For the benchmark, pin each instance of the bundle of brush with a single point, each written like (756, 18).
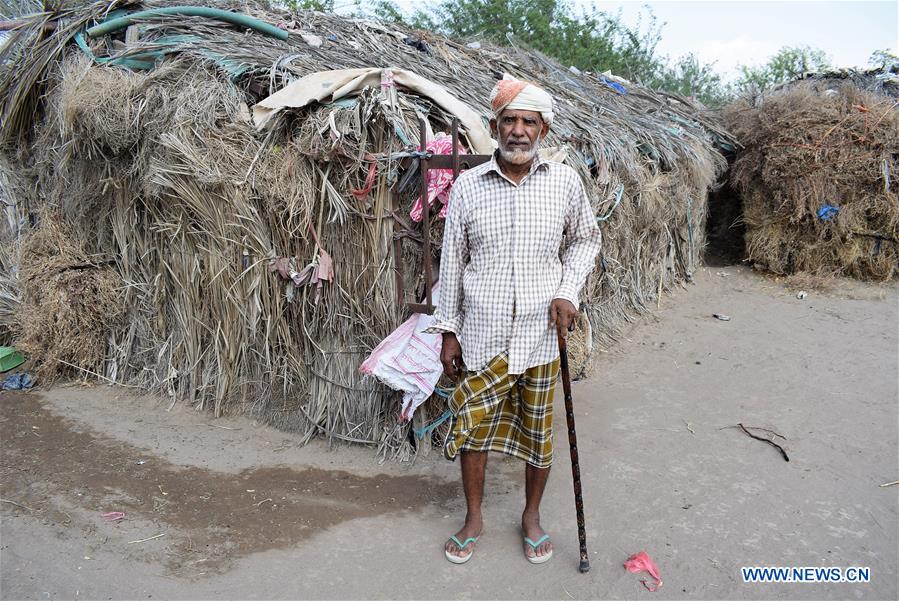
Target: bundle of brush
(818, 179)
(71, 301)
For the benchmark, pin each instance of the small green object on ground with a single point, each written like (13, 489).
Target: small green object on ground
(10, 358)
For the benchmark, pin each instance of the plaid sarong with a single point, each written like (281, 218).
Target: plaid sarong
(493, 411)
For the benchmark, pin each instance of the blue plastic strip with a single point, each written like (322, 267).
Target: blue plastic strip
(433, 425)
(443, 392)
(618, 196)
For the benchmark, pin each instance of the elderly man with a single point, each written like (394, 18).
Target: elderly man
(519, 241)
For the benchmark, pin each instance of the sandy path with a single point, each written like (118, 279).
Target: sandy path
(663, 473)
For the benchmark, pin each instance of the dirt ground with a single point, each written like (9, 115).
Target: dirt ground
(228, 508)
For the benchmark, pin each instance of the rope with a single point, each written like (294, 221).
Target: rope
(618, 196)
(433, 425)
(444, 394)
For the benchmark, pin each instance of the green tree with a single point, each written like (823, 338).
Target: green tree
(690, 77)
(591, 40)
(787, 64)
(386, 10)
(884, 59)
(324, 6)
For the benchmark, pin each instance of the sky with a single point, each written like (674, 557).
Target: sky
(733, 33)
(730, 33)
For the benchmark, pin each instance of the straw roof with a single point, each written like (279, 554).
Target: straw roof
(164, 180)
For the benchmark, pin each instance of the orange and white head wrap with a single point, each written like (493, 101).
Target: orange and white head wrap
(511, 93)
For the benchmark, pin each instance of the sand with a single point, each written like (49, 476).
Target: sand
(244, 512)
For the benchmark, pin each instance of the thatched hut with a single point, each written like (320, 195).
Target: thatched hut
(148, 205)
(818, 175)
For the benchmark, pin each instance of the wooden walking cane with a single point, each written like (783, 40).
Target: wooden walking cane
(575, 466)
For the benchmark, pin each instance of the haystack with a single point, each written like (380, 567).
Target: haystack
(70, 300)
(142, 142)
(818, 175)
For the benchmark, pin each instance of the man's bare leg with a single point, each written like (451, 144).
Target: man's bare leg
(534, 483)
(474, 467)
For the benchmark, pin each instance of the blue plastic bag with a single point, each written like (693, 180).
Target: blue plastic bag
(827, 212)
(20, 381)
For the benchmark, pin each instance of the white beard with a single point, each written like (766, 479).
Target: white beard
(519, 157)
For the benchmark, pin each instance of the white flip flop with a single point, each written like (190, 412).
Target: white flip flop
(461, 545)
(534, 545)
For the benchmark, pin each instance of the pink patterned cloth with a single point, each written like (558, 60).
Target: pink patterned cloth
(408, 360)
(439, 180)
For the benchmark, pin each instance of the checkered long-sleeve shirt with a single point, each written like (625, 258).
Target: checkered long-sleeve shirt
(502, 262)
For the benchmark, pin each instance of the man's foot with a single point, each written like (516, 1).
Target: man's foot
(540, 550)
(458, 547)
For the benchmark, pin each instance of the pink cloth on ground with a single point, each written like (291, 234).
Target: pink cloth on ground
(642, 562)
(439, 180)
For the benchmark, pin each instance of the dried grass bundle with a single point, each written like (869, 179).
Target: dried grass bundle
(70, 300)
(809, 146)
(99, 107)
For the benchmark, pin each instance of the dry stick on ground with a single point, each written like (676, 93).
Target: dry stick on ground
(17, 504)
(770, 442)
(96, 375)
(772, 432)
(143, 540)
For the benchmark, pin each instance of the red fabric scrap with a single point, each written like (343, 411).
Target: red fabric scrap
(642, 562)
(362, 193)
(320, 270)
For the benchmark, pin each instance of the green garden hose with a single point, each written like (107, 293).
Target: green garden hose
(262, 27)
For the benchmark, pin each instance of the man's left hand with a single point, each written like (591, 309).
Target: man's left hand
(562, 315)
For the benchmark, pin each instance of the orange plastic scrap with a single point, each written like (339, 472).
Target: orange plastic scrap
(642, 562)
(362, 193)
(862, 109)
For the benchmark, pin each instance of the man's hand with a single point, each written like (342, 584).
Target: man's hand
(451, 356)
(562, 315)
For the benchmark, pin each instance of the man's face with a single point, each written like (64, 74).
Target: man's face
(519, 134)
